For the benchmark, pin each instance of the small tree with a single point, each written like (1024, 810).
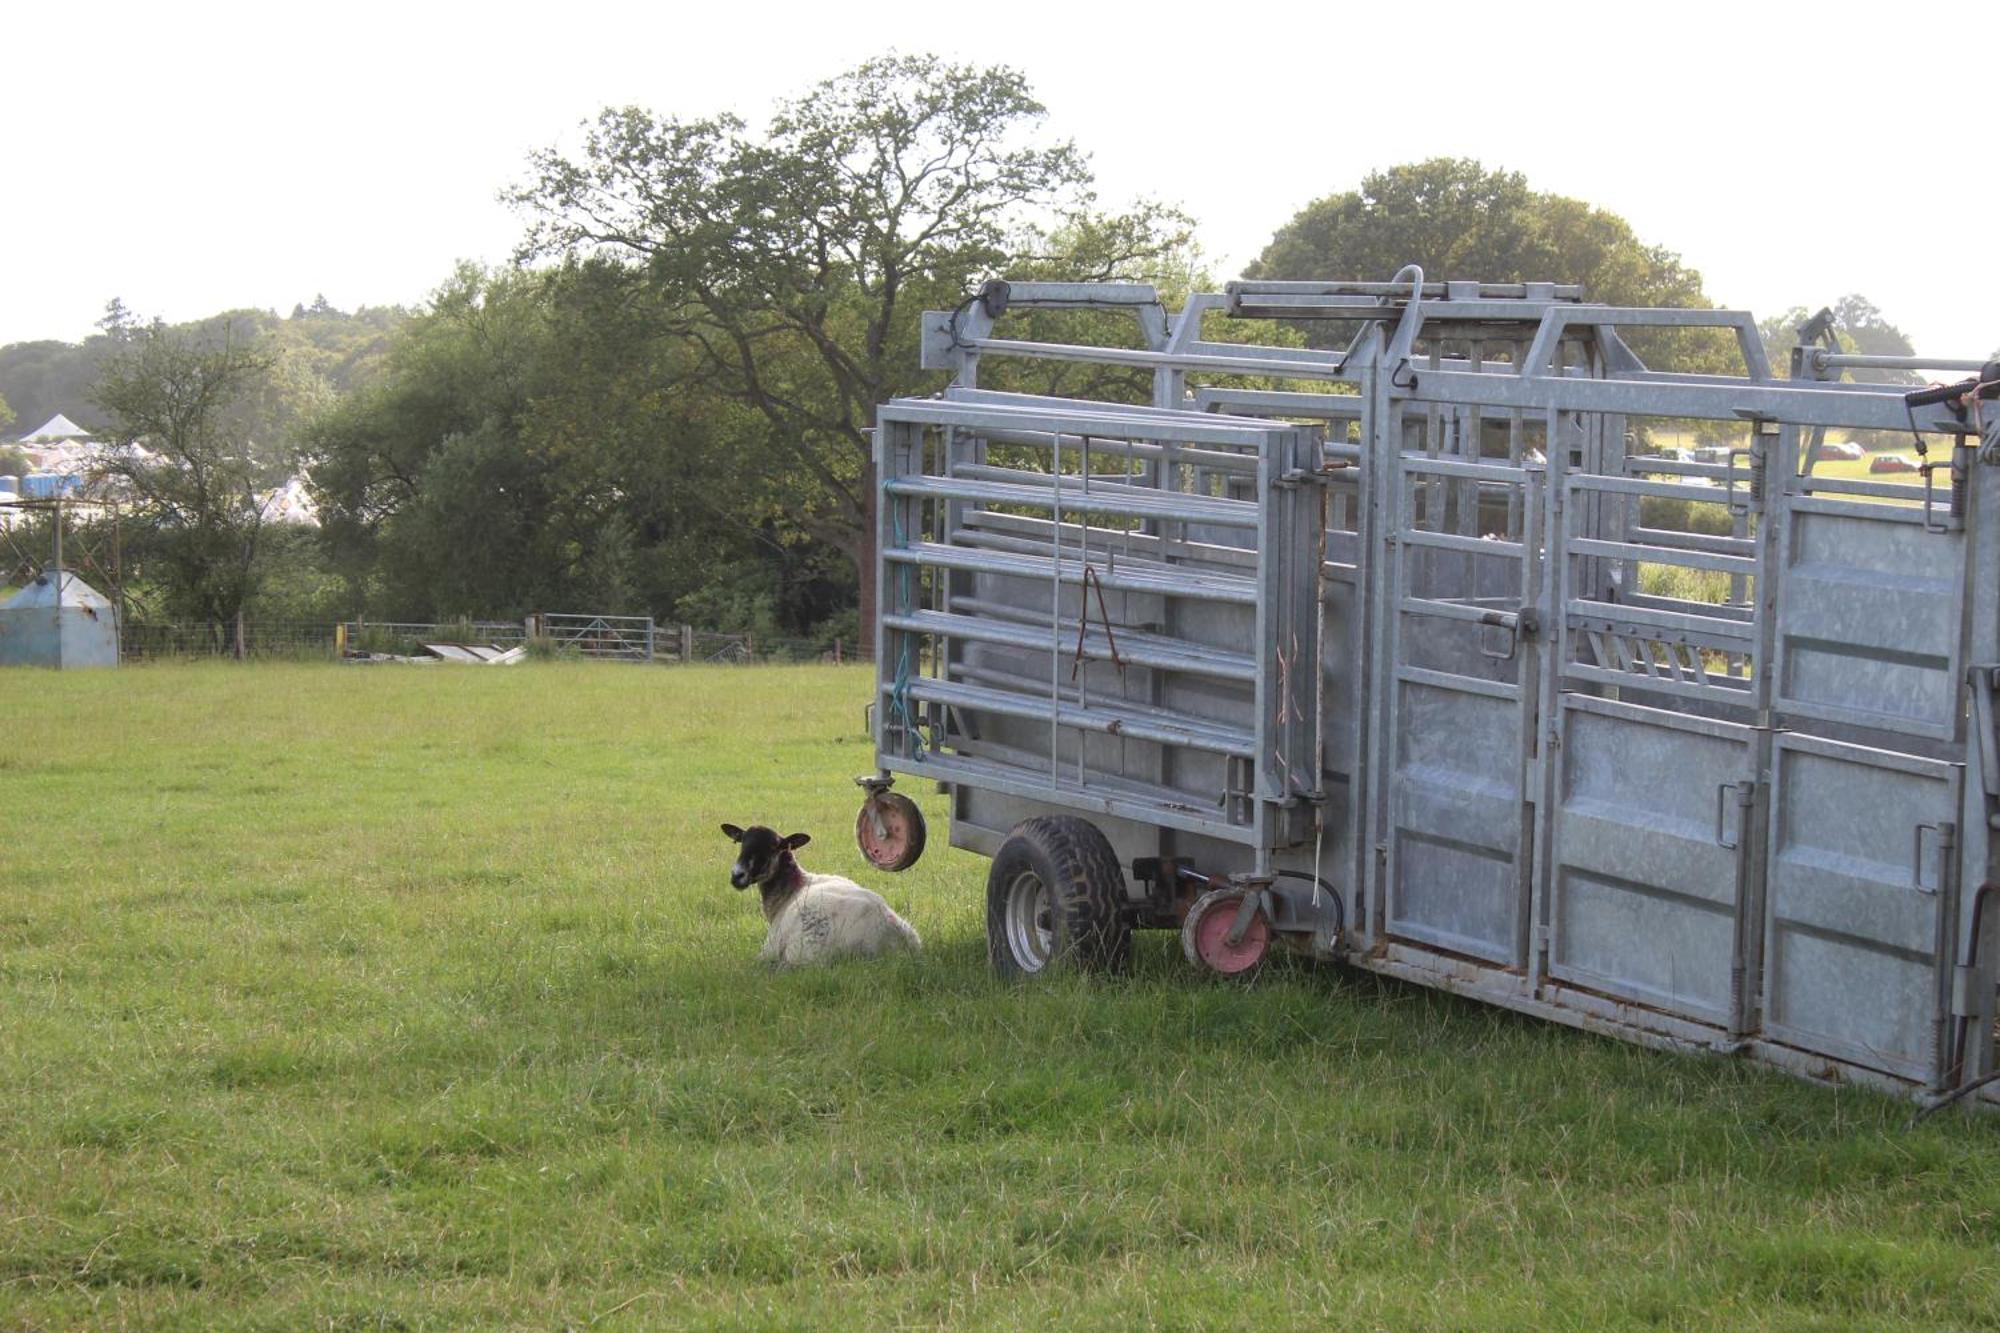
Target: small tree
(181, 455)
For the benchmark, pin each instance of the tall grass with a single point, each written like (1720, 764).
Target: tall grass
(336, 997)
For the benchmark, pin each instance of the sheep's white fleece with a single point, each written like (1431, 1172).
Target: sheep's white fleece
(833, 917)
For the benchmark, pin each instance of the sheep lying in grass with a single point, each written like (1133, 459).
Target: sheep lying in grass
(814, 918)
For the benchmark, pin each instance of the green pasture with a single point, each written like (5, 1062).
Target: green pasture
(340, 997)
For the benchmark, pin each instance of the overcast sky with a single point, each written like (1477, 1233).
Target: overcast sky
(194, 156)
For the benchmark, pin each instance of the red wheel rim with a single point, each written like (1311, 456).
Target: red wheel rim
(887, 848)
(1211, 932)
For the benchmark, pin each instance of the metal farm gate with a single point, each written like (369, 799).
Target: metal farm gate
(604, 638)
(1418, 656)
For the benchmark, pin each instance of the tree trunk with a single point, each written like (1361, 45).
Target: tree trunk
(862, 552)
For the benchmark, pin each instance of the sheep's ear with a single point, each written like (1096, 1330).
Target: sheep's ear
(735, 834)
(798, 840)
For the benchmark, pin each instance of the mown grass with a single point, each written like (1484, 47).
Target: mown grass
(341, 997)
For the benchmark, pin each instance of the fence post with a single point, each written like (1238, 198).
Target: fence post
(687, 644)
(649, 638)
(836, 650)
(528, 628)
(340, 639)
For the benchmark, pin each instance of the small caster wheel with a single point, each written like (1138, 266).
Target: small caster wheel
(890, 831)
(1205, 934)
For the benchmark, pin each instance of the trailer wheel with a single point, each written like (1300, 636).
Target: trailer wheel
(1055, 896)
(890, 831)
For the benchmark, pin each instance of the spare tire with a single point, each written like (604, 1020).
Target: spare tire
(1055, 896)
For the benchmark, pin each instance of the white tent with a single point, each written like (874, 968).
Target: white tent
(55, 430)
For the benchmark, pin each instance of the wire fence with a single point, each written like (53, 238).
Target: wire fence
(288, 640)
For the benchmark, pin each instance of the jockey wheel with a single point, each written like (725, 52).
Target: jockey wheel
(1226, 931)
(889, 830)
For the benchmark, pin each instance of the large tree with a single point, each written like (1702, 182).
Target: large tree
(1857, 324)
(1461, 221)
(180, 452)
(795, 262)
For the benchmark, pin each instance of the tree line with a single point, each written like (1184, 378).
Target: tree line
(664, 405)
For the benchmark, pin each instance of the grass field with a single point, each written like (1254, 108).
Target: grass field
(404, 998)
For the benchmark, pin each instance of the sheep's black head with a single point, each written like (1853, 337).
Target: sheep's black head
(763, 852)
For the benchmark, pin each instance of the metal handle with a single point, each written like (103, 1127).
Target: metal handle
(1505, 621)
(1722, 793)
(1917, 863)
(1929, 526)
(1729, 484)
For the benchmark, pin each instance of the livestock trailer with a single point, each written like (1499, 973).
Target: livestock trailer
(1418, 652)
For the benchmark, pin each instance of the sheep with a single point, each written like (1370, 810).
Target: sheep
(814, 918)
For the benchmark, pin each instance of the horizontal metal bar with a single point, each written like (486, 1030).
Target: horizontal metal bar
(1694, 541)
(1008, 781)
(1261, 351)
(1636, 464)
(1652, 622)
(1046, 295)
(1284, 367)
(1399, 290)
(1111, 421)
(1661, 555)
(1448, 680)
(1028, 477)
(1476, 615)
(1217, 459)
(1451, 541)
(1730, 690)
(1881, 513)
(1572, 702)
(1799, 402)
(1331, 406)
(1910, 492)
(1825, 360)
(1038, 686)
(1156, 504)
(1164, 581)
(1503, 474)
(1104, 719)
(1137, 649)
(987, 527)
(1665, 490)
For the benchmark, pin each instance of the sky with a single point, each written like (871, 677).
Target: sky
(199, 156)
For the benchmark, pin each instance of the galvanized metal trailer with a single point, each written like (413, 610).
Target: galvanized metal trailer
(1394, 655)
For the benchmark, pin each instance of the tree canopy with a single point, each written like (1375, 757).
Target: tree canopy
(793, 265)
(1459, 220)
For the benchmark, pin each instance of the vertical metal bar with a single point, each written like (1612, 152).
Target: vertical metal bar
(1055, 599)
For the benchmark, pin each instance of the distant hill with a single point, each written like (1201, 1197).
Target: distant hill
(321, 352)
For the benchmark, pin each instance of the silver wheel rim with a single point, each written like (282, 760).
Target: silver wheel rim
(1029, 935)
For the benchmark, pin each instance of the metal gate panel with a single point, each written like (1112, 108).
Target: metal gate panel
(1645, 878)
(1461, 695)
(1868, 620)
(1861, 882)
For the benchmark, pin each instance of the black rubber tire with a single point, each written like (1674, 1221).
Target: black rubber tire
(913, 819)
(1086, 897)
